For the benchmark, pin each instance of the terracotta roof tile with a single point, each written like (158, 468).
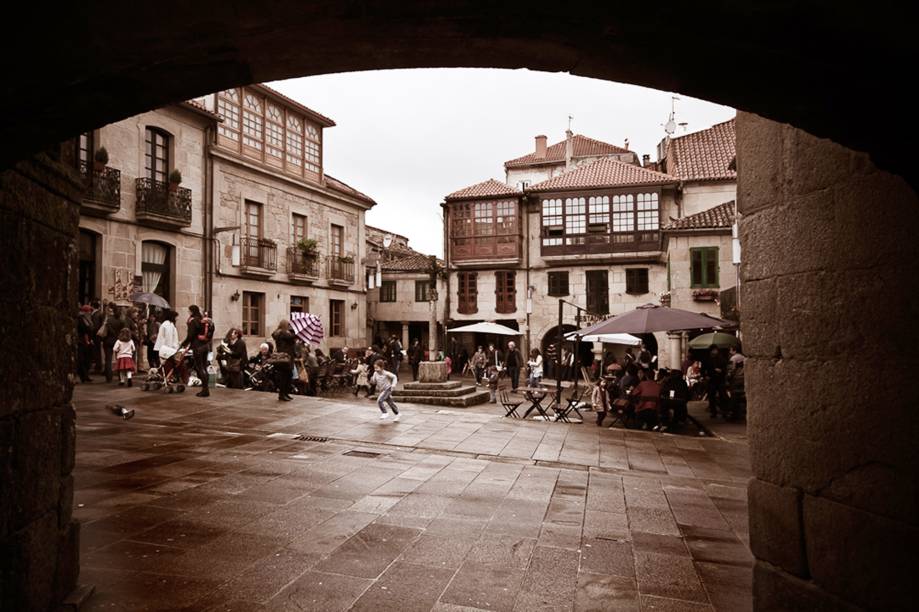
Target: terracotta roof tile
(582, 146)
(413, 262)
(604, 173)
(721, 216)
(342, 187)
(485, 189)
(704, 155)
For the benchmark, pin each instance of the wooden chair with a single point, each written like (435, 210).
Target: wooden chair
(510, 405)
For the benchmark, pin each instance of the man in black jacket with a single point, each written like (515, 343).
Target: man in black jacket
(512, 362)
(199, 339)
(415, 357)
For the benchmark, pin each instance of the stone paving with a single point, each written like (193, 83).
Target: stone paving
(214, 504)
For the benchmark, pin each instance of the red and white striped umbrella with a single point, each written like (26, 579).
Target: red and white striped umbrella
(307, 326)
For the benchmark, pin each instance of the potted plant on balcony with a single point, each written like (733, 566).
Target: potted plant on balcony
(309, 248)
(346, 259)
(100, 159)
(175, 177)
(705, 295)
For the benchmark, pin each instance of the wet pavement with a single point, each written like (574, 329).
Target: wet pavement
(239, 502)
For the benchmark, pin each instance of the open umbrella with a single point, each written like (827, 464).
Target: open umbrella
(307, 327)
(625, 339)
(653, 318)
(485, 328)
(719, 339)
(150, 298)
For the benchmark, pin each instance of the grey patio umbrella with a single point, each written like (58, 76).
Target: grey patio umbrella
(653, 318)
(719, 339)
(150, 298)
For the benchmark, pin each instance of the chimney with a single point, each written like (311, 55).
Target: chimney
(540, 147)
(626, 144)
(569, 148)
(645, 160)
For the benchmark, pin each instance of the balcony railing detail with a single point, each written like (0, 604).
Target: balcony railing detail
(156, 201)
(598, 243)
(340, 268)
(301, 265)
(258, 253)
(103, 187)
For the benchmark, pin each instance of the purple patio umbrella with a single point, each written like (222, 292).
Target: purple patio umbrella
(653, 318)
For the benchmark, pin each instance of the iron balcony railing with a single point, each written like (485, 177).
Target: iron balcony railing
(258, 253)
(298, 263)
(157, 201)
(340, 268)
(103, 186)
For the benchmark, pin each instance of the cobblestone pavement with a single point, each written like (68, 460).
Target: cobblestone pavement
(214, 504)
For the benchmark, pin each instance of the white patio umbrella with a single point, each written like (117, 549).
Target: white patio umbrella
(485, 328)
(625, 339)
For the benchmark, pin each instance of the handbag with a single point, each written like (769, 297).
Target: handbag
(234, 366)
(277, 358)
(103, 330)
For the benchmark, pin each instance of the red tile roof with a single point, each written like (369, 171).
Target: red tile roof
(582, 146)
(604, 173)
(485, 189)
(721, 216)
(413, 262)
(198, 107)
(342, 187)
(705, 155)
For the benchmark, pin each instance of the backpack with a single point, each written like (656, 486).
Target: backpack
(207, 333)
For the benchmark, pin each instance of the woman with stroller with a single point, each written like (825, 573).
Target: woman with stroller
(200, 333)
(167, 336)
(285, 344)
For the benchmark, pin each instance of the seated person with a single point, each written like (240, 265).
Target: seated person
(648, 396)
(674, 398)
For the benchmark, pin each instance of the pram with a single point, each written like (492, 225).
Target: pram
(260, 378)
(172, 375)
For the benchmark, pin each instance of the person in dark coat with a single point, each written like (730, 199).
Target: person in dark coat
(114, 322)
(237, 357)
(415, 357)
(715, 371)
(674, 398)
(85, 342)
(98, 316)
(198, 339)
(285, 341)
(513, 360)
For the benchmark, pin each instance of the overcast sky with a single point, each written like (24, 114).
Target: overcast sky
(407, 138)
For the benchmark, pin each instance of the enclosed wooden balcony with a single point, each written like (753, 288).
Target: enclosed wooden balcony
(258, 256)
(505, 248)
(599, 243)
(302, 268)
(103, 190)
(160, 205)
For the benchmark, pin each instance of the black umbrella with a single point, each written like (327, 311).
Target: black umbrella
(150, 298)
(653, 318)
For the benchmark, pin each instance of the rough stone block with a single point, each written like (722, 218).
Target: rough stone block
(432, 371)
(759, 179)
(759, 311)
(68, 561)
(776, 591)
(813, 164)
(68, 439)
(37, 461)
(861, 557)
(776, 533)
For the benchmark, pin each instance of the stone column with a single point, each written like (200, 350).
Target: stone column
(39, 540)
(405, 338)
(676, 350)
(830, 302)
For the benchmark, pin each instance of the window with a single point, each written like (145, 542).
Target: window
(505, 292)
(253, 313)
(467, 293)
(522, 185)
(574, 220)
(598, 214)
(313, 145)
(85, 152)
(155, 267)
(336, 317)
(388, 291)
(422, 290)
(299, 227)
(624, 213)
(558, 283)
(156, 155)
(274, 130)
(598, 292)
(252, 229)
(704, 264)
(484, 229)
(648, 212)
(552, 227)
(338, 240)
(294, 143)
(636, 281)
(299, 304)
(252, 121)
(228, 109)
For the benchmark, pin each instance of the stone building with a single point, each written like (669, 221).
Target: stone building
(271, 198)
(138, 229)
(400, 304)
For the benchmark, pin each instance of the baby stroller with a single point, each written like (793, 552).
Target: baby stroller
(260, 378)
(172, 375)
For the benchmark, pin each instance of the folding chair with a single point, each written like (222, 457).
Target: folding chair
(536, 404)
(510, 406)
(574, 399)
(619, 411)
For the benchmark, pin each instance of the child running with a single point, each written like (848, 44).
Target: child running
(124, 353)
(384, 382)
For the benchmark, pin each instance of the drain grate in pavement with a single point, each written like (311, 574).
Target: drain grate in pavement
(305, 438)
(357, 453)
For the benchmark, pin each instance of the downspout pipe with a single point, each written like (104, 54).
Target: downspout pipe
(208, 223)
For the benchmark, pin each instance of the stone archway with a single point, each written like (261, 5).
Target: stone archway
(831, 279)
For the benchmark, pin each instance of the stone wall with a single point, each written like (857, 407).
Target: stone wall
(830, 304)
(679, 246)
(39, 541)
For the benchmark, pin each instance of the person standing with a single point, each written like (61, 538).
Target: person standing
(384, 382)
(512, 362)
(98, 317)
(600, 400)
(396, 354)
(491, 378)
(85, 342)
(167, 337)
(479, 361)
(153, 329)
(124, 351)
(285, 344)
(198, 339)
(535, 365)
(415, 357)
(111, 328)
(715, 372)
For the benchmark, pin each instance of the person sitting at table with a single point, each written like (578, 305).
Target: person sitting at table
(613, 366)
(648, 396)
(674, 397)
(600, 400)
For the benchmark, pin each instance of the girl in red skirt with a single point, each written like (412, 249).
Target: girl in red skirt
(124, 353)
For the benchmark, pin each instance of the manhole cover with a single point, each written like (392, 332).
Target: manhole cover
(304, 438)
(357, 453)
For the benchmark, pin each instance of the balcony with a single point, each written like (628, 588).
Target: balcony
(600, 243)
(258, 256)
(340, 270)
(160, 205)
(505, 249)
(301, 268)
(103, 190)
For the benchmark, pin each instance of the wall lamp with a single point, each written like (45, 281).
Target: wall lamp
(235, 296)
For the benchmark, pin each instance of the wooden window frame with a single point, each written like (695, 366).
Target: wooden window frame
(340, 230)
(336, 319)
(558, 288)
(422, 290)
(485, 229)
(707, 255)
(295, 225)
(592, 303)
(505, 291)
(151, 135)
(248, 307)
(633, 275)
(467, 292)
(388, 291)
(304, 305)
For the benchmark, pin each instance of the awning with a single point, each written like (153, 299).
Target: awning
(485, 328)
(626, 339)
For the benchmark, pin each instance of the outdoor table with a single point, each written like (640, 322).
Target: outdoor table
(535, 395)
